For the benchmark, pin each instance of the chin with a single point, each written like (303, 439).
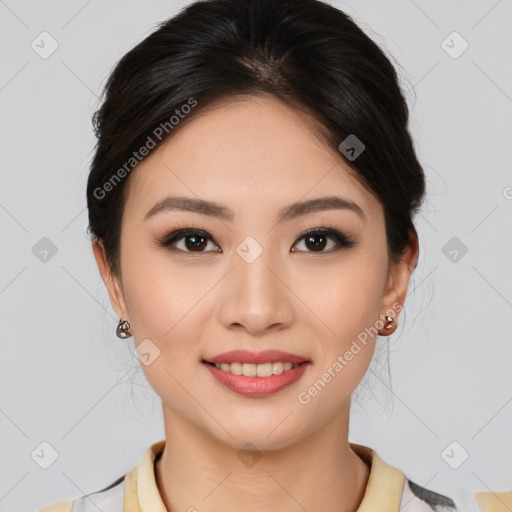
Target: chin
(263, 434)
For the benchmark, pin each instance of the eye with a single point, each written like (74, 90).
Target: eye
(195, 240)
(316, 239)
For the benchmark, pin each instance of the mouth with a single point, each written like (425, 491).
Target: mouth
(256, 364)
(256, 380)
(256, 370)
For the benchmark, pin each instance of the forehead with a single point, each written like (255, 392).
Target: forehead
(247, 153)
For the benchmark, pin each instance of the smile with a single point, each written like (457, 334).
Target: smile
(256, 380)
(256, 370)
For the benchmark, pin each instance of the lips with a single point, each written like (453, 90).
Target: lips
(256, 386)
(266, 356)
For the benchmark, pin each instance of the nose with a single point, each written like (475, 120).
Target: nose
(256, 297)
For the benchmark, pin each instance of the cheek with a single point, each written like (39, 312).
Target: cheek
(159, 295)
(163, 302)
(354, 301)
(345, 336)
(150, 298)
(347, 296)
(168, 305)
(346, 301)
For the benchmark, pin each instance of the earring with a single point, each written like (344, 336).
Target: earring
(388, 326)
(389, 321)
(122, 329)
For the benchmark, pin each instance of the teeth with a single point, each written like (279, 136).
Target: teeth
(256, 370)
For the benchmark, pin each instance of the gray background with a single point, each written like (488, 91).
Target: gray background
(67, 380)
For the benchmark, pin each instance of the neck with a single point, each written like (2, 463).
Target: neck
(318, 472)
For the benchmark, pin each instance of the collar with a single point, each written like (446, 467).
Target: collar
(383, 491)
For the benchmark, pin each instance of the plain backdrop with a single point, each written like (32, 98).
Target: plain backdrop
(71, 389)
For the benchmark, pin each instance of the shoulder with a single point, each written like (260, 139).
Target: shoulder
(109, 499)
(494, 501)
(416, 498)
(119, 494)
(58, 506)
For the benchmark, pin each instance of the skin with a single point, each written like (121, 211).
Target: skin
(255, 155)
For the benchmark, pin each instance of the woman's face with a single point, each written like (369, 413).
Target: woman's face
(258, 284)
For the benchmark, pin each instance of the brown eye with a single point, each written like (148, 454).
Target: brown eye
(198, 242)
(316, 240)
(195, 241)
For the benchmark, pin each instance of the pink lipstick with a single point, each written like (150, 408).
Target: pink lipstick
(256, 374)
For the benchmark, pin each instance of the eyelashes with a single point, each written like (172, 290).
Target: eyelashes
(179, 234)
(200, 239)
(341, 240)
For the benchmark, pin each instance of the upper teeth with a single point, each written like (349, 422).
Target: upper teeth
(253, 370)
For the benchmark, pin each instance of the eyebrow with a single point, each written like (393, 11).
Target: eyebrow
(292, 211)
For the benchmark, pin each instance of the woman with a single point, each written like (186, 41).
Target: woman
(250, 205)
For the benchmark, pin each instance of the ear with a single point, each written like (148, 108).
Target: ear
(111, 281)
(399, 275)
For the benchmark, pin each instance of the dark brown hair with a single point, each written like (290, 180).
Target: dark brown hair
(304, 52)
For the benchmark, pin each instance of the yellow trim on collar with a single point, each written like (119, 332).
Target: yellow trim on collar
(494, 501)
(383, 491)
(131, 501)
(385, 483)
